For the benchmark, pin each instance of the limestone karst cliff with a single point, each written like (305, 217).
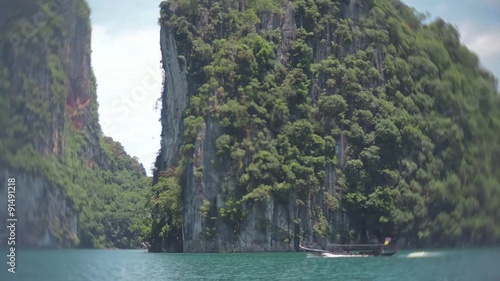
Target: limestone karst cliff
(288, 122)
(50, 140)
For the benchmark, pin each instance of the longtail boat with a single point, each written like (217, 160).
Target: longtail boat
(353, 250)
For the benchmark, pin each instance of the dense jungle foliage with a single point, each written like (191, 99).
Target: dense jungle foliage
(105, 185)
(420, 116)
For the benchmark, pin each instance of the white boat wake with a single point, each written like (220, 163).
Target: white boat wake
(424, 254)
(330, 255)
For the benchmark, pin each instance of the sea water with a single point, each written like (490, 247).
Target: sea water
(118, 265)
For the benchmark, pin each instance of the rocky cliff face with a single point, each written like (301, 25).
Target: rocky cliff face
(174, 98)
(45, 48)
(46, 218)
(51, 141)
(267, 226)
(306, 121)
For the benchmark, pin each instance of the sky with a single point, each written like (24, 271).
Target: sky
(126, 61)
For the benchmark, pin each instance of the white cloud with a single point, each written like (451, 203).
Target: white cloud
(129, 79)
(487, 45)
(484, 42)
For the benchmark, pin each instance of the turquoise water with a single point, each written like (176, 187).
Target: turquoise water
(107, 265)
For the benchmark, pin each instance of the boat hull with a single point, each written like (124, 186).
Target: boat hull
(338, 254)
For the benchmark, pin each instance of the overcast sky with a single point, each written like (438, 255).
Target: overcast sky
(126, 60)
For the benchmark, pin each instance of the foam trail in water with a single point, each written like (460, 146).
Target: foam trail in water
(424, 254)
(330, 255)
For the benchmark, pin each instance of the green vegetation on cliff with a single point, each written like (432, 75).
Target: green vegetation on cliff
(400, 112)
(50, 129)
(113, 211)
